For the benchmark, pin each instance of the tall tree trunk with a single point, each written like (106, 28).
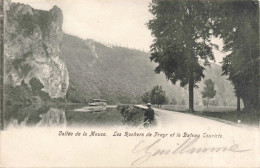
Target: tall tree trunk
(191, 86)
(191, 77)
(238, 103)
(190, 56)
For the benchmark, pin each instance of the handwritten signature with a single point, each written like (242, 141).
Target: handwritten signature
(150, 150)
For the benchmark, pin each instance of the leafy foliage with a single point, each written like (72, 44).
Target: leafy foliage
(131, 115)
(121, 75)
(237, 22)
(174, 101)
(74, 96)
(209, 90)
(181, 31)
(146, 97)
(156, 96)
(23, 94)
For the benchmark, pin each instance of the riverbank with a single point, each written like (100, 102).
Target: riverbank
(226, 114)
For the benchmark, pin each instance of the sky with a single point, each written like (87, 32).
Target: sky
(118, 22)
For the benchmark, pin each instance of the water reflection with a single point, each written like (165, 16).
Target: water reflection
(19, 115)
(48, 116)
(54, 117)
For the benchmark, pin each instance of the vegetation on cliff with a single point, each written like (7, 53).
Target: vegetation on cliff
(75, 70)
(123, 75)
(32, 55)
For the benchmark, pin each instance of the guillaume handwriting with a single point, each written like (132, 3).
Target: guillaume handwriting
(150, 150)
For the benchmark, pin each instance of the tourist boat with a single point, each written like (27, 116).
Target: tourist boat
(95, 105)
(98, 102)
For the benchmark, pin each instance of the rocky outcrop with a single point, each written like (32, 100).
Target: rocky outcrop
(32, 48)
(91, 45)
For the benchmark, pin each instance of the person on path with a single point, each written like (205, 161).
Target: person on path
(149, 114)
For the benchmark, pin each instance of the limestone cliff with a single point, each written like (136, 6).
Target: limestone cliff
(32, 48)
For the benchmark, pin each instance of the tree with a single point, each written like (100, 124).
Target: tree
(174, 101)
(158, 96)
(209, 91)
(166, 100)
(183, 102)
(162, 99)
(181, 31)
(214, 102)
(146, 97)
(237, 23)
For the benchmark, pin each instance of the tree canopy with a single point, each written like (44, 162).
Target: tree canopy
(209, 90)
(181, 31)
(237, 23)
(146, 97)
(155, 96)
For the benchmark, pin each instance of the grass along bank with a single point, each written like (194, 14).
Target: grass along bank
(227, 113)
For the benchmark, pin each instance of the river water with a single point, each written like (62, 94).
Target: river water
(48, 116)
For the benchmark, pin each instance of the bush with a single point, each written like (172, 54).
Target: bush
(23, 94)
(18, 94)
(131, 115)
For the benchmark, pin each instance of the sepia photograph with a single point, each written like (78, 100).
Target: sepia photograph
(129, 83)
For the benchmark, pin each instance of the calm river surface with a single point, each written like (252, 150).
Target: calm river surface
(45, 115)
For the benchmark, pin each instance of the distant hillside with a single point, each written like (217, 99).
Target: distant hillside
(122, 75)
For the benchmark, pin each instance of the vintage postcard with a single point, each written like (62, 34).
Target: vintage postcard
(129, 83)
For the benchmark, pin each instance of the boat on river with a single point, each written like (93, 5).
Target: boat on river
(95, 105)
(98, 102)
